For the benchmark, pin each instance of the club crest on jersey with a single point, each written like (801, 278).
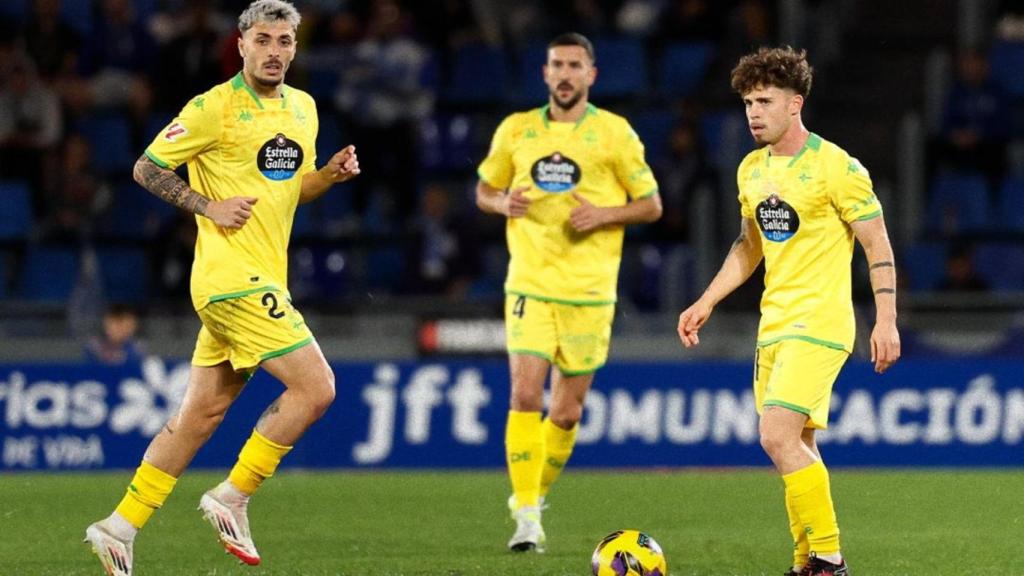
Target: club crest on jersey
(555, 173)
(279, 158)
(174, 131)
(777, 219)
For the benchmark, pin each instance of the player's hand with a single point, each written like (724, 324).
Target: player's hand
(885, 345)
(343, 166)
(233, 212)
(586, 216)
(690, 322)
(515, 203)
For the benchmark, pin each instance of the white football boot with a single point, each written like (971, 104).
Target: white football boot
(529, 534)
(115, 554)
(225, 509)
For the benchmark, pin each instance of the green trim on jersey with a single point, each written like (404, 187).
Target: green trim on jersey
(531, 353)
(284, 351)
(874, 214)
(239, 82)
(156, 160)
(813, 143)
(647, 194)
(591, 110)
(229, 296)
(825, 343)
(787, 405)
(561, 301)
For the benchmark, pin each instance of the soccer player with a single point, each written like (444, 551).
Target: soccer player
(803, 201)
(250, 148)
(568, 177)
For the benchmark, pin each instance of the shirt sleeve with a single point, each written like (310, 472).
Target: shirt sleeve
(497, 168)
(852, 192)
(196, 129)
(746, 210)
(632, 170)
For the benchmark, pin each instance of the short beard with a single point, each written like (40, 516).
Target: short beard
(568, 104)
(268, 82)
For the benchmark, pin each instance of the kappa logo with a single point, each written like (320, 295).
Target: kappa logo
(174, 131)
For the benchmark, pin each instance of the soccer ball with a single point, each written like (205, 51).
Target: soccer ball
(628, 553)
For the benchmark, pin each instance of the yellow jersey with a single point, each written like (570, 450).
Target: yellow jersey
(238, 144)
(599, 157)
(803, 206)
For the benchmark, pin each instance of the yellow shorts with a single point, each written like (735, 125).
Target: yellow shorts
(574, 338)
(797, 375)
(248, 330)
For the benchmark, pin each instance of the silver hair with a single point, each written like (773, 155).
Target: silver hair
(268, 11)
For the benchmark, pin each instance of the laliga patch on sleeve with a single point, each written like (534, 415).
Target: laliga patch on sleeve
(175, 131)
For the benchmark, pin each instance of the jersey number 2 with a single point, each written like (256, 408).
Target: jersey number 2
(270, 299)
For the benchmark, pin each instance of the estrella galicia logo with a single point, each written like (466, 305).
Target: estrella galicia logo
(555, 173)
(279, 158)
(778, 220)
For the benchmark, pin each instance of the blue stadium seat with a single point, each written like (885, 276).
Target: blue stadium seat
(1011, 204)
(78, 14)
(111, 141)
(959, 202)
(125, 274)
(16, 215)
(48, 274)
(682, 68)
(16, 10)
(304, 224)
(623, 67)
(530, 88)
(479, 74)
(1001, 265)
(924, 265)
(322, 83)
(385, 268)
(654, 126)
(1007, 61)
(329, 139)
(135, 213)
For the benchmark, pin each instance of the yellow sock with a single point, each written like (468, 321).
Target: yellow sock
(800, 546)
(148, 490)
(811, 495)
(558, 444)
(256, 462)
(524, 453)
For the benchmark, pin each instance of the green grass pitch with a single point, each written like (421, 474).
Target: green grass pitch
(710, 523)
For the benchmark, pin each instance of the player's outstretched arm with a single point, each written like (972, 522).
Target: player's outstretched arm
(511, 203)
(587, 217)
(168, 186)
(740, 263)
(343, 166)
(885, 338)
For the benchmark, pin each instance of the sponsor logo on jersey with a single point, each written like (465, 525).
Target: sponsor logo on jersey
(174, 131)
(279, 158)
(555, 173)
(777, 219)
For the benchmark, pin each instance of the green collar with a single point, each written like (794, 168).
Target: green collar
(238, 82)
(590, 111)
(813, 142)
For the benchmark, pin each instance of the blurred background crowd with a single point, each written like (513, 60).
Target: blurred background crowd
(928, 94)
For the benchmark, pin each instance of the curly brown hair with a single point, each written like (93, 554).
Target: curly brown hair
(779, 67)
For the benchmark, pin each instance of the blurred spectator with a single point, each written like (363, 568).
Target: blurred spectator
(30, 123)
(382, 102)
(682, 173)
(638, 17)
(116, 345)
(1010, 21)
(50, 41)
(116, 59)
(76, 194)
(960, 273)
(191, 54)
(974, 131)
(445, 259)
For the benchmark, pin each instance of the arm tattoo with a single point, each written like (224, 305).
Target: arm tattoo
(885, 291)
(739, 239)
(168, 186)
(270, 411)
(882, 265)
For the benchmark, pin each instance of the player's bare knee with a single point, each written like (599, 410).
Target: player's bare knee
(773, 442)
(566, 417)
(526, 400)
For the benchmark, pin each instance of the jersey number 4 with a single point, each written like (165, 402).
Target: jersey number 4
(519, 308)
